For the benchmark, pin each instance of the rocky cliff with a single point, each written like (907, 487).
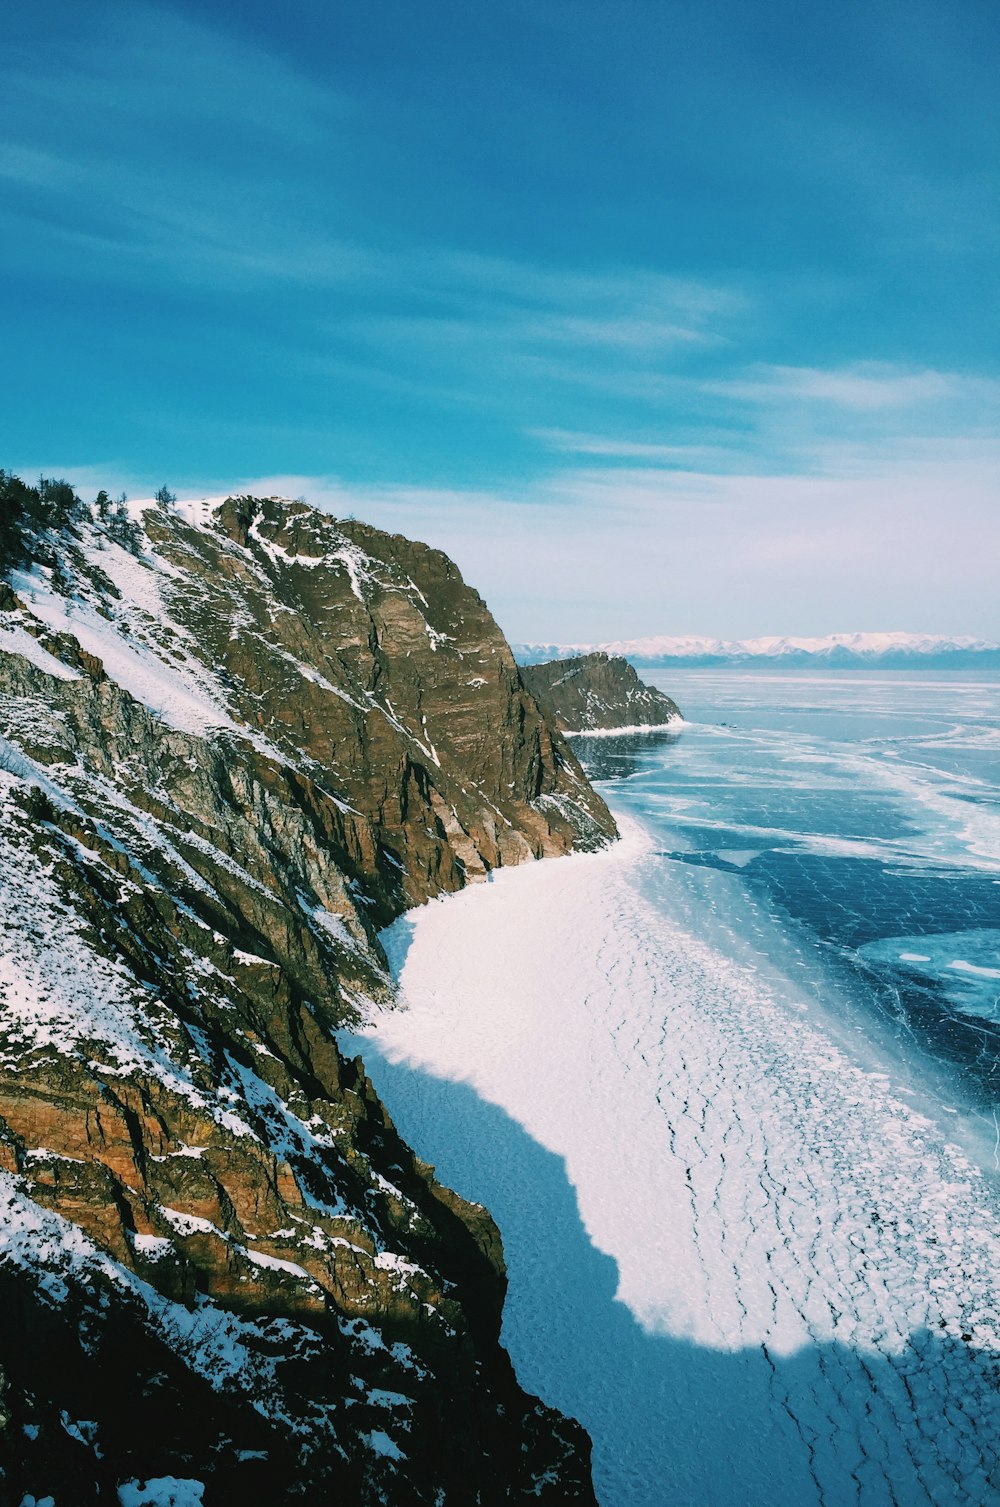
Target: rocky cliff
(596, 692)
(233, 746)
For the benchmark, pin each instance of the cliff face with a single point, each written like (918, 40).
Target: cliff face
(223, 765)
(596, 692)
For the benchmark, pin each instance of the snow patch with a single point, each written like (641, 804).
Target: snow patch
(162, 1491)
(379, 1443)
(15, 640)
(674, 725)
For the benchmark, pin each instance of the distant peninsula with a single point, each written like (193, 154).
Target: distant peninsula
(597, 692)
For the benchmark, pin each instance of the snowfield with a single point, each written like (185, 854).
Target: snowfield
(757, 1275)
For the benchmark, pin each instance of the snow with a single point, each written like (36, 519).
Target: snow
(961, 966)
(351, 557)
(334, 925)
(162, 1491)
(390, 1261)
(15, 640)
(80, 1429)
(196, 512)
(153, 1247)
(357, 565)
(59, 1255)
(275, 1263)
(743, 1260)
(378, 1397)
(178, 697)
(58, 994)
(437, 638)
(380, 1444)
(22, 768)
(193, 1224)
(675, 725)
(309, 673)
(190, 1224)
(234, 1354)
(389, 713)
(219, 859)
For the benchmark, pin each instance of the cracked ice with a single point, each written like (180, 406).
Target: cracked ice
(756, 1273)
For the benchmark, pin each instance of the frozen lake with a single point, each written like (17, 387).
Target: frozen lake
(729, 1091)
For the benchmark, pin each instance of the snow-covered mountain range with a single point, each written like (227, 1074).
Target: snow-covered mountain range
(840, 650)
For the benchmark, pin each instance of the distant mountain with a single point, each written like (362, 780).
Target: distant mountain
(858, 651)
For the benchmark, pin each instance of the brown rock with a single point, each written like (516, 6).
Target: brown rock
(596, 692)
(193, 913)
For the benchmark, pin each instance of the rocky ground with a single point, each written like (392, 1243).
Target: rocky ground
(596, 693)
(228, 756)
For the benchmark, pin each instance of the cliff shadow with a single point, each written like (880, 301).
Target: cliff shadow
(676, 1424)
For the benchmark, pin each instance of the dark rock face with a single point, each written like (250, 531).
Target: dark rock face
(596, 692)
(223, 765)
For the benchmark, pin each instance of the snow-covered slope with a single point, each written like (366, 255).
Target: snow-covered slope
(846, 650)
(233, 742)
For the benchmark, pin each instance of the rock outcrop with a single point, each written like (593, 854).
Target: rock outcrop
(597, 692)
(225, 761)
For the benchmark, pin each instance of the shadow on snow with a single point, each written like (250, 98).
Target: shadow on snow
(675, 1424)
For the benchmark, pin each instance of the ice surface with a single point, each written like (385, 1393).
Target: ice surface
(755, 1273)
(964, 964)
(873, 804)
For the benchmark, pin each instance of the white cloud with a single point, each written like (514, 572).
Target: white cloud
(569, 442)
(619, 552)
(869, 386)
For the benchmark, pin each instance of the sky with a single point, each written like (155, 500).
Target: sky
(660, 316)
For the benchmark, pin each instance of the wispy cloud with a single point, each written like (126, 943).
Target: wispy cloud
(658, 549)
(868, 386)
(401, 300)
(569, 442)
(140, 141)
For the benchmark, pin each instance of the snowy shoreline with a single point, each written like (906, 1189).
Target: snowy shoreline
(753, 1271)
(674, 725)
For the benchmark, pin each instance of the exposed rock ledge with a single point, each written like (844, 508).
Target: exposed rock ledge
(597, 693)
(225, 761)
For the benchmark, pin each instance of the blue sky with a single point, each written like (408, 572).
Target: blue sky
(659, 316)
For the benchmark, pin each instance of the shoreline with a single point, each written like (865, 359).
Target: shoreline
(674, 725)
(712, 1215)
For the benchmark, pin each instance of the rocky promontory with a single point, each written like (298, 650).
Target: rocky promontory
(235, 741)
(596, 693)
